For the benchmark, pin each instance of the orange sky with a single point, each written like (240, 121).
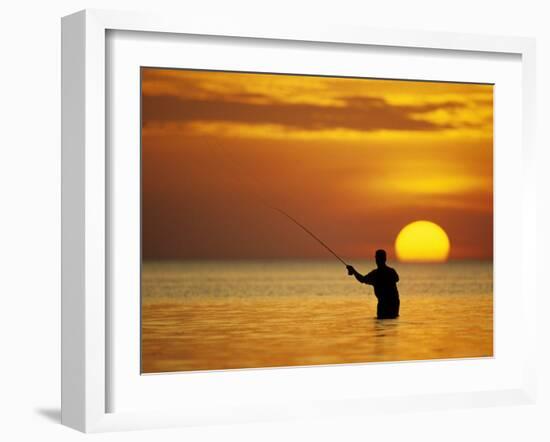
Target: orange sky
(353, 159)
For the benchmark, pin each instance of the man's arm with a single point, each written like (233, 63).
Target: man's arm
(363, 279)
(396, 276)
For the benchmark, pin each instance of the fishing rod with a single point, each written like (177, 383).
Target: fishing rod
(310, 233)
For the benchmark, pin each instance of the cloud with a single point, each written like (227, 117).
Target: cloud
(358, 113)
(310, 104)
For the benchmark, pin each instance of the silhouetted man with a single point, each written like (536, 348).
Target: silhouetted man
(384, 279)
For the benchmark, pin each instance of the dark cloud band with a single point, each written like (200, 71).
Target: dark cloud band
(358, 113)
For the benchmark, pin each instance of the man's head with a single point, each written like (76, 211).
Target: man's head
(380, 257)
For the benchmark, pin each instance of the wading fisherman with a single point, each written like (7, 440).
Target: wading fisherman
(384, 279)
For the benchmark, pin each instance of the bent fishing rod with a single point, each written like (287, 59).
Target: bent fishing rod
(310, 234)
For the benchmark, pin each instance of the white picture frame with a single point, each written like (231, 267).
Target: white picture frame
(86, 315)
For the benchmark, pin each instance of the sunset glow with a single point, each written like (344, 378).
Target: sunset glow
(354, 159)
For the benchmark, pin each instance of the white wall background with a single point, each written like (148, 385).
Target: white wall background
(30, 216)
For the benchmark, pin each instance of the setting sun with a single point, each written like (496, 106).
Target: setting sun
(422, 241)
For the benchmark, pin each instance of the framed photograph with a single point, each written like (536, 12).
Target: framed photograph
(263, 222)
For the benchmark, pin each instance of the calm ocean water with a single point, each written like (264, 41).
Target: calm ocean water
(207, 315)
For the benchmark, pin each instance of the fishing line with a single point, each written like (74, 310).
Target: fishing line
(262, 200)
